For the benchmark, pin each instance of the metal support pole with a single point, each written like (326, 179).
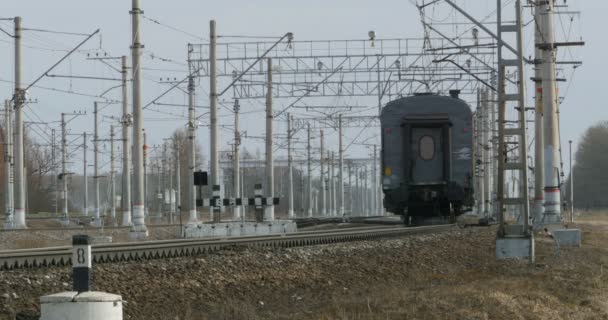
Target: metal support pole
(65, 219)
(571, 184)
(552, 204)
(163, 182)
(365, 192)
(539, 141)
(523, 142)
(96, 210)
(330, 189)
(375, 209)
(269, 209)
(290, 212)
(357, 195)
(350, 190)
(19, 161)
(332, 180)
(85, 207)
(8, 167)
(480, 148)
(340, 167)
(53, 170)
(145, 165)
(214, 134)
(178, 181)
(237, 161)
(322, 175)
(159, 189)
(309, 170)
(138, 229)
(112, 176)
(487, 173)
(126, 150)
(171, 189)
(192, 216)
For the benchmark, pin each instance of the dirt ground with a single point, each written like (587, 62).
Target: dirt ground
(452, 275)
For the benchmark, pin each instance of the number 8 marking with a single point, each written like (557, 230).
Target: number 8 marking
(80, 256)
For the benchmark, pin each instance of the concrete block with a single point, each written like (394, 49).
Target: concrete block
(72, 305)
(568, 237)
(101, 239)
(515, 248)
(236, 229)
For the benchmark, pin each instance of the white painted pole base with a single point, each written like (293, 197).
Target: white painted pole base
(269, 213)
(138, 229)
(236, 213)
(310, 213)
(89, 305)
(552, 214)
(126, 218)
(291, 214)
(192, 217)
(19, 219)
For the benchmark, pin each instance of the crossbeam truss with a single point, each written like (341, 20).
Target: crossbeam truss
(339, 68)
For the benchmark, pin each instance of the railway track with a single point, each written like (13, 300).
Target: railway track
(137, 251)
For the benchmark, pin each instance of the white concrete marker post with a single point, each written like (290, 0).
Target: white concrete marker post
(81, 304)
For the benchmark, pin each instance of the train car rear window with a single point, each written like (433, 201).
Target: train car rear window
(426, 148)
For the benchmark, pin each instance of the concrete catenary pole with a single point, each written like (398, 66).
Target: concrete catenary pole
(269, 209)
(350, 189)
(552, 204)
(539, 153)
(163, 182)
(487, 145)
(290, 212)
(375, 210)
(192, 216)
(356, 193)
(85, 206)
(366, 191)
(126, 150)
(112, 176)
(19, 161)
(171, 189)
(8, 167)
(332, 182)
(322, 175)
(138, 228)
(309, 170)
(340, 167)
(145, 165)
(571, 183)
(55, 181)
(178, 180)
(213, 116)
(96, 210)
(479, 146)
(237, 161)
(65, 219)
(329, 182)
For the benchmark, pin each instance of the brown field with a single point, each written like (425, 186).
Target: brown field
(452, 275)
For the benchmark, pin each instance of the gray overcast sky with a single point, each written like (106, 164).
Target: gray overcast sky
(311, 19)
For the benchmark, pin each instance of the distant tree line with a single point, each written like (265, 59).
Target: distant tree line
(591, 170)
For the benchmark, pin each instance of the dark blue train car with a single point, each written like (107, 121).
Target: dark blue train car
(427, 156)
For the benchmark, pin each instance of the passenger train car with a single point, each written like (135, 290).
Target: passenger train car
(427, 156)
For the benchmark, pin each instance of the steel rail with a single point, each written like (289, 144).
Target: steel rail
(148, 250)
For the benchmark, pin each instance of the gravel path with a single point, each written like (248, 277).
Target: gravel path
(444, 276)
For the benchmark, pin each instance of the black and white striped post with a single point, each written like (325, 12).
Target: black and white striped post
(81, 263)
